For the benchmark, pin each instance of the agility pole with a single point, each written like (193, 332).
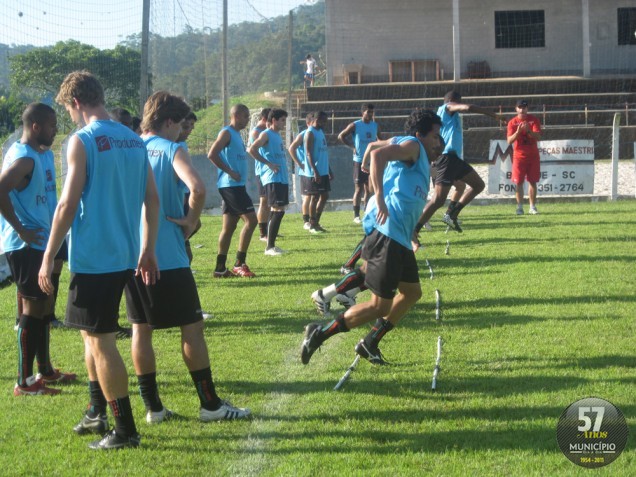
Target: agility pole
(428, 264)
(346, 375)
(438, 305)
(447, 251)
(437, 361)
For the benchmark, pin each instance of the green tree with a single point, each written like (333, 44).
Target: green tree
(11, 109)
(40, 72)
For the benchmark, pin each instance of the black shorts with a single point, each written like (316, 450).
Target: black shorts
(359, 176)
(388, 264)
(450, 168)
(311, 187)
(277, 194)
(236, 201)
(171, 302)
(93, 300)
(62, 253)
(25, 265)
(261, 188)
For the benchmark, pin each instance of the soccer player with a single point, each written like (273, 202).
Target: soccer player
(263, 206)
(524, 131)
(229, 156)
(25, 224)
(297, 152)
(173, 300)
(269, 149)
(451, 168)
(108, 182)
(363, 131)
(400, 176)
(310, 65)
(317, 160)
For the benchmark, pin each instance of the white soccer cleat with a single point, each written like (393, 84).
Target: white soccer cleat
(226, 412)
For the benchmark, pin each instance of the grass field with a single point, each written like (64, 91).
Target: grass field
(538, 312)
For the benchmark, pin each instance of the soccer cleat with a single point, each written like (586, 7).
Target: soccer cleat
(243, 271)
(311, 342)
(207, 316)
(223, 274)
(428, 226)
(533, 211)
(226, 412)
(156, 417)
(306, 226)
(55, 323)
(452, 223)
(345, 300)
(123, 333)
(519, 210)
(263, 238)
(322, 305)
(316, 230)
(56, 377)
(357, 220)
(34, 387)
(345, 270)
(373, 355)
(92, 425)
(275, 251)
(113, 441)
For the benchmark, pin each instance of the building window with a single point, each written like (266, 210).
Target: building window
(520, 29)
(627, 26)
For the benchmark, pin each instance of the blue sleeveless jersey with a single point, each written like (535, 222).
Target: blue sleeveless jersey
(451, 131)
(105, 231)
(235, 157)
(258, 166)
(48, 163)
(274, 152)
(302, 156)
(30, 204)
(363, 134)
(320, 153)
(170, 248)
(405, 191)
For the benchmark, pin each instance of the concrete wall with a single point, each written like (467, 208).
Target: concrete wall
(372, 32)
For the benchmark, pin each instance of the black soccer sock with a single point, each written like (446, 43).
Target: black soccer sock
(274, 226)
(240, 258)
(98, 403)
(381, 328)
(355, 256)
(334, 327)
(124, 420)
(262, 226)
(306, 218)
(352, 280)
(42, 354)
(150, 392)
(458, 208)
(451, 207)
(205, 389)
(356, 211)
(28, 337)
(220, 262)
(318, 216)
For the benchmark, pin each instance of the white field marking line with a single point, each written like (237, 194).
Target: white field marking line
(253, 457)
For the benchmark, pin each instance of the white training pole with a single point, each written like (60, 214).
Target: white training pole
(437, 361)
(438, 308)
(447, 251)
(346, 375)
(428, 264)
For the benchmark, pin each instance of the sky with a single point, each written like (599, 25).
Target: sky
(104, 23)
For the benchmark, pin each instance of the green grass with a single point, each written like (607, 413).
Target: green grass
(538, 312)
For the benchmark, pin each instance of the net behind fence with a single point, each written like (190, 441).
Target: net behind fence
(574, 61)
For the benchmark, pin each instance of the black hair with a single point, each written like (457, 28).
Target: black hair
(277, 114)
(421, 121)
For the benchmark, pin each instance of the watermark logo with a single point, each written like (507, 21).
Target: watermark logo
(592, 432)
